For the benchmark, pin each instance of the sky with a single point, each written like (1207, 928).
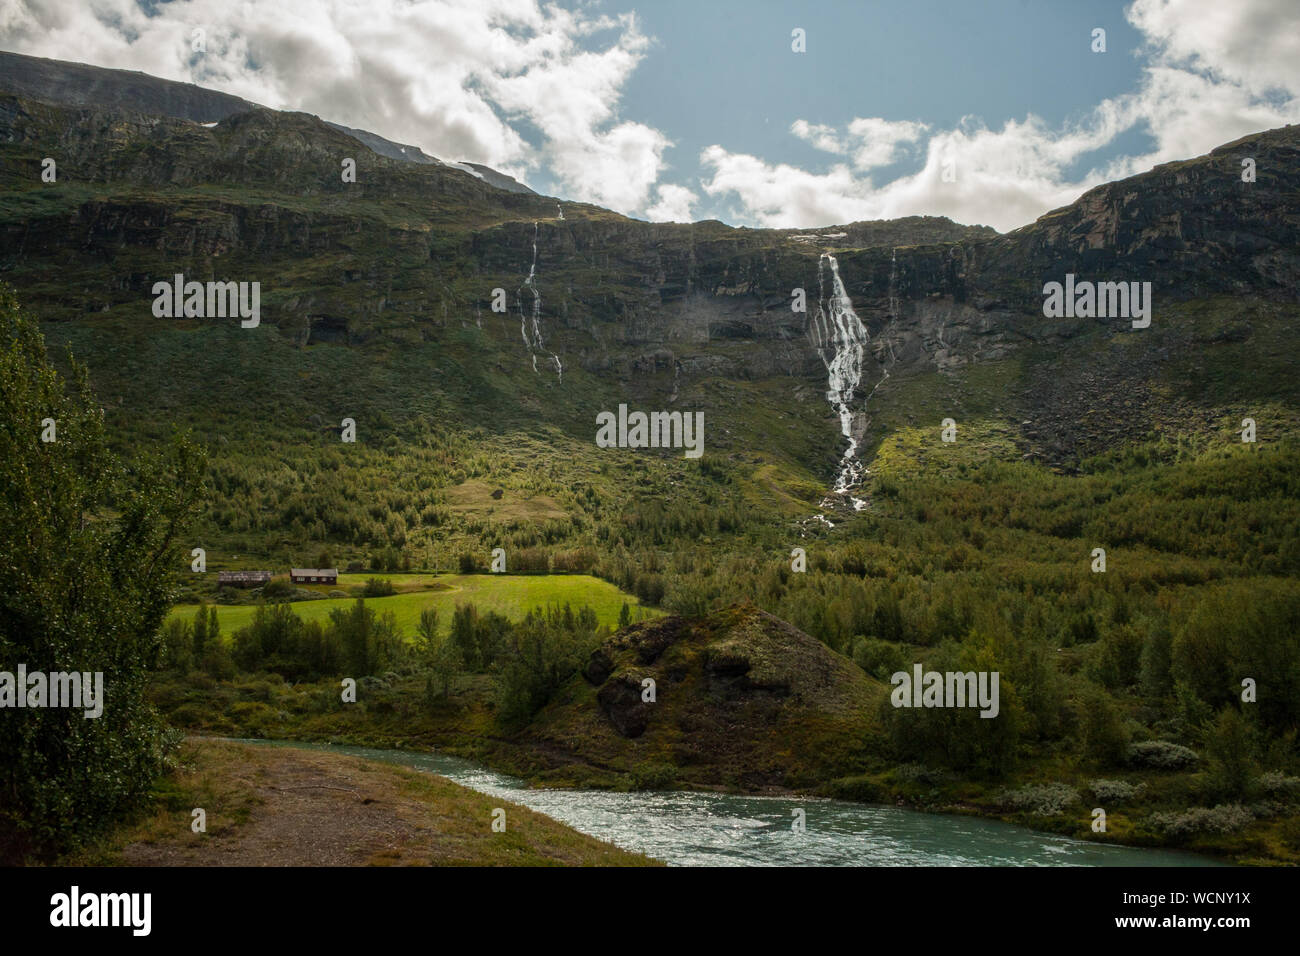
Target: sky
(989, 113)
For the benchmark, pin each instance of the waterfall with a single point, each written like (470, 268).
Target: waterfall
(533, 336)
(841, 339)
(893, 283)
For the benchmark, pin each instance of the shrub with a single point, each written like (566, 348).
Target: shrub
(217, 662)
(1225, 818)
(1229, 753)
(1161, 755)
(878, 658)
(1104, 734)
(861, 788)
(1279, 785)
(530, 559)
(654, 777)
(1040, 799)
(1115, 791)
(649, 588)
(919, 774)
(578, 560)
(378, 587)
(278, 589)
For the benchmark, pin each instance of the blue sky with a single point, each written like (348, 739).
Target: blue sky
(987, 112)
(725, 72)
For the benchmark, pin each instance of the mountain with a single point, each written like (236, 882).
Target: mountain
(918, 319)
(76, 84)
(904, 455)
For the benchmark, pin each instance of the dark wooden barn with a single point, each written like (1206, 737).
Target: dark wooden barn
(243, 579)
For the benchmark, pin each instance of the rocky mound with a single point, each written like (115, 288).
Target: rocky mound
(738, 698)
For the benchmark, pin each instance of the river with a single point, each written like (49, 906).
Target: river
(714, 829)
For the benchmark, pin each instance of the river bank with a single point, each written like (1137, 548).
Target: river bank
(303, 807)
(692, 828)
(1051, 794)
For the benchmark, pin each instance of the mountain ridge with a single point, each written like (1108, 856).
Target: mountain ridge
(67, 83)
(411, 253)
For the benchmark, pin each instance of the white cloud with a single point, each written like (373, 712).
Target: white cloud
(784, 195)
(825, 138)
(1214, 72)
(872, 141)
(528, 87)
(454, 77)
(879, 142)
(1255, 44)
(674, 205)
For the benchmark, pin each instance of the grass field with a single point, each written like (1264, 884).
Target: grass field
(510, 595)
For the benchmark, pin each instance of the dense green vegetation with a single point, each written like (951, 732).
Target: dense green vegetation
(529, 658)
(965, 560)
(89, 553)
(967, 557)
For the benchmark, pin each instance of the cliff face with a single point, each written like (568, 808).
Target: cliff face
(1192, 228)
(414, 251)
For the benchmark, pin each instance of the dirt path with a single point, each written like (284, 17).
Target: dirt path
(285, 807)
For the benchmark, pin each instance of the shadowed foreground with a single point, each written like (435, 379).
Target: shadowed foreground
(286, 807)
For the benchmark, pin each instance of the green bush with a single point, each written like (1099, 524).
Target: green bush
(1105, 738)
(91, 548)
(1229, 755)
(377, 588)
(861, 788)
(878, 658)
(1161, 755)
(1224, 818)
(1115, 791)
(1040, 799)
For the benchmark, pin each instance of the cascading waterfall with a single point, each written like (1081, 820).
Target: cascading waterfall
(533, 337)
(893, 309)
(893, 284)
(841, 339)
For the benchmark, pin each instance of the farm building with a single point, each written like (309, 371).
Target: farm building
(314, 575)
(243, 579)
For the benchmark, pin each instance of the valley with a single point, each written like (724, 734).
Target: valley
(946, 454)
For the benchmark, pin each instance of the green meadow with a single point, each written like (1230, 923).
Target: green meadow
(509, 595)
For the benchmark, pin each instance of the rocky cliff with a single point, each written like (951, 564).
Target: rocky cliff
(413, 251)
